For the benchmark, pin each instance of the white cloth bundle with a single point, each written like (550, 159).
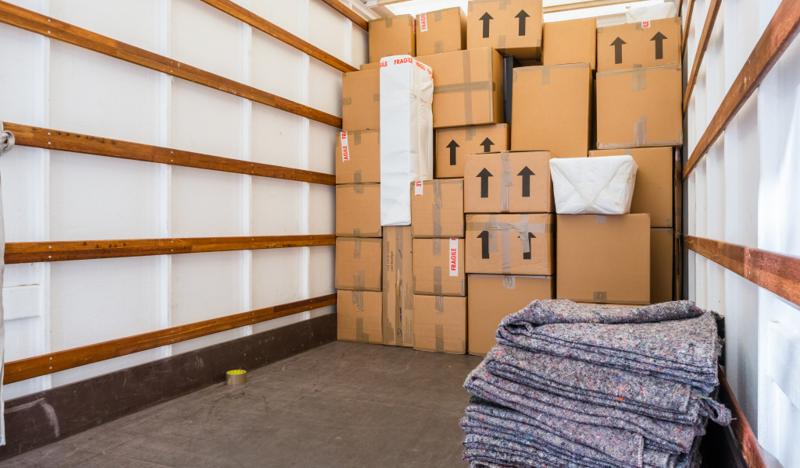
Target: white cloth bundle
(593, 185)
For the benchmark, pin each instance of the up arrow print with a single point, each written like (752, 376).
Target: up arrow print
(484, 237)
(487, 144)
(522, 15)
(526, 174)
(527, 255)
(659, 40)
(484, 175)
(452, 146)
(617, 44)
(485, 19)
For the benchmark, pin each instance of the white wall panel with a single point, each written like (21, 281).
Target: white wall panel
(321, 145)
(360, 46)
(325, 90)
(328, 29)
(321, 271)
(278, 276)
(131, 21)
(322, 207)
(23, 101)
(277, 67)
(21, 172)
(289, 17)
(206, 203)
(276, 137)
(205, 120)
(277, 207)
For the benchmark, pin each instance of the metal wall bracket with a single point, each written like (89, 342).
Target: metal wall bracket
(6, 140)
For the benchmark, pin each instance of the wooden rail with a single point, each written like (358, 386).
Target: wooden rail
(741, 427)
(702, 45)
(776, 37)
(246, 16)
(55, 29)
(774, 272)
(348, 13)
(45, 364)
(687, 26)
(49, 138)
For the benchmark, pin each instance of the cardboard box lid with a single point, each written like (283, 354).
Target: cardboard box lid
(440, 324)
(361, 100)
(516, 182)
(439, 267)
(510, 26)
(572, 41)
(358, 210)
(441, 31)
(358, 316)
(509, 243)
(391, 36)
(358, 263)
(437, 208)
(454, 143)
(643, 44)
(358, 157)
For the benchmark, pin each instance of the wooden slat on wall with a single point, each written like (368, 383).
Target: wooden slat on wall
(741, 427)
(776, 37)
(348, 13)
(687, 25)
(55, 29)
(49, 138)
(36, 366)
(247, 16)
(702, 45)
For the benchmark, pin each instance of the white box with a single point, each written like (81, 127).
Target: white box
(593, 185)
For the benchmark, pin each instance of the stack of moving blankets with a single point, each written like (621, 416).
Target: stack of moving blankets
(595, 386)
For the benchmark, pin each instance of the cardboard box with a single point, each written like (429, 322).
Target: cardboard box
(603, 259)
(514, 27)
(358, 316)
(573, 41)
(391, 36)
(510, 244)
(439, 267)
(358, 263)
(441, 31)
(661, 278)
(467, 87)
(639, 107)
(398, 287)
(358, 158)
(437, 208)
(551, 109)
(508, 183)
(652, 192)
(361, 100)
(358, 212)
(453, 144)
(645, 44)
(492, 297)
(440, 324)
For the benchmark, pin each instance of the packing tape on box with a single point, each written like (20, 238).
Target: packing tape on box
(389, 21)
(467, 64)
(358, 279)
(376, 97)
(506, 180)
(437, 15)
(470, 133)
(501, 4)
(357, 298)
(437, 279)
(545, 75)
(356, 137)
(506, 251)
(439, 331)
(358, 188)
(600, 296)
(501, 41)
(347, 100)
(640, 131)
(356, 248)
(438, 47)
(436, 249)
(509, 282)
(639, 78)
(438, 303)
(522, 228)
(436, 212)
(361, 336)
(357, 176)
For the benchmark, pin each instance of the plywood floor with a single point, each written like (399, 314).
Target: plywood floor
(339, 405)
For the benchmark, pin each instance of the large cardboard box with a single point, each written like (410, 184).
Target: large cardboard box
(639, 107)
(361, 100)
(391, 36)
(508, 183)
(573, 41)
(358, 210)
(440, 324)
(492, 297)
(453, 144)
(358, 316)
(441, 31)
(514, 27)
(439, 267)
(358, 158)
(510, 244)
(437, 208)
(661, 254)
(603, 259)
(467, 87)
(398, 286)
(645, 44)
(652, 192)
(551, 109)
(358, 263)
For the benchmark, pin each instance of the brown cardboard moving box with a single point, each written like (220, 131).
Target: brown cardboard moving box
(358, 316)
(440, 324)
(573, 41)
(358, 210)
(358, 263)
(453, 144)
(468, 87)
(661, 243)
(391, 36)
(508, 183)
(645, 44)
(604, 259)
(398, 286)
(513, 243)
(492, 297)
(437, 208)
(441, 31)
(653, 190)
(639, 107)
(551, 109)
(439, 267)
(358, 157)
(361, 100)
(514, 27)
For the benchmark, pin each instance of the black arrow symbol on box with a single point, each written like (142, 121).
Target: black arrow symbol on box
(618, 49)
(452, 145)
(486, 18)
(522, 15)
(484, 237)
(526, 174)
(527, 255)
(659, 40)
(487, 144)
(484, 175)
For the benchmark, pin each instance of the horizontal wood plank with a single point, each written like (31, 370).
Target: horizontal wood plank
(776, 37)
(57, 251)
(349, 13)
(49, 138)
(65, 32)
(270, 29)
(748, 444)
(36, 366)
(687, 25)
(702, 45)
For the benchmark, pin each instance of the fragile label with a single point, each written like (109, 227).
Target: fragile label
(646, 24)
(417, 188)
(345, 146)
(423, 22)
(453, 262)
